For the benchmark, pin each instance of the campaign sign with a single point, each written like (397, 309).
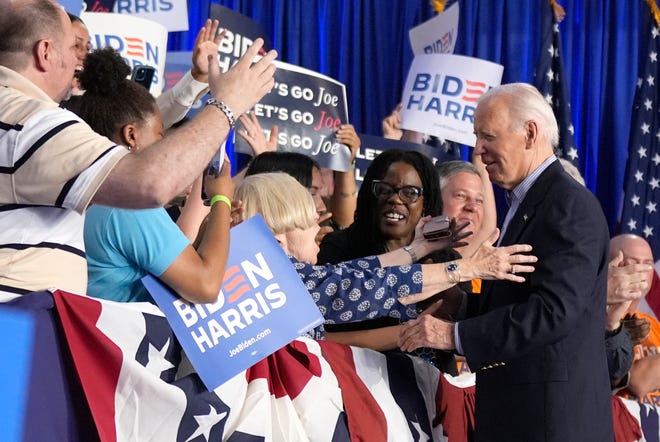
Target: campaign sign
(437, 35)
(441, 93)
(98, 6)
(263, 305)
(139, 41)
(173, 14)
(242, 31)
(308, 108)
(371, 146)
(177, 63)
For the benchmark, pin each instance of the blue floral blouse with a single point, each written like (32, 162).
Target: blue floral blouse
(359, 289)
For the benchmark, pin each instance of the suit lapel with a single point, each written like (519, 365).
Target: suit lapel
(528, 207)
(524, 216)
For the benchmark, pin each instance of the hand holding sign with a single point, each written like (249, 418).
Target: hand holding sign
(347, 135)
(220, 184)
(242, 86)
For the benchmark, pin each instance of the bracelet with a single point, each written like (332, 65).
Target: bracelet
(222, 198)
(411, 252)
(225, 110)
(453, 272)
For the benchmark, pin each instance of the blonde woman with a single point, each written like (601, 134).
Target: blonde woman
(383, 285)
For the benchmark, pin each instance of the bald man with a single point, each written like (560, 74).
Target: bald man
(644, 382)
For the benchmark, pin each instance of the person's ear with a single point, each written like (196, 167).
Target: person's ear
(43, 52)
(128, 136)
(531, 133)
(281, 239)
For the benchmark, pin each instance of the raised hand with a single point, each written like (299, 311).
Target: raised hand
(348, 136)
(206, 44)
(222, 184)
(392, 124)
(242, 86)
(255, 136)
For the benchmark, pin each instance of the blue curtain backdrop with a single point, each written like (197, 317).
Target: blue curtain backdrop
(364, 44)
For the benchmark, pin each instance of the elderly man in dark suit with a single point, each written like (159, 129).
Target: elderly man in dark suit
(537, 347)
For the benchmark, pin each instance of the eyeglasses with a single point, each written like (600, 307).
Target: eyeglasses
(408, 194)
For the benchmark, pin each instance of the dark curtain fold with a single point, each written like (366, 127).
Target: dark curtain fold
(364, 44)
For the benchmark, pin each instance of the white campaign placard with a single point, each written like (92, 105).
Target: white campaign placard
(441, 93)
(173, 14)
(438, 35)
(138, 40)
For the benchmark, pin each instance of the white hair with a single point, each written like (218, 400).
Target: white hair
(526, 103)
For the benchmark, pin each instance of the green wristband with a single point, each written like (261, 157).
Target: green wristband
(222, 198)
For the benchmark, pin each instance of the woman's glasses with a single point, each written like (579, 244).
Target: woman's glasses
(407, 194)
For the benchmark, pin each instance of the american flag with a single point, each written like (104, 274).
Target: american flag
(550, 80)
(134, 383)
(642, 179)
(140, 386)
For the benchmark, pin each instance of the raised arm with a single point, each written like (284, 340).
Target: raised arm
(137, 181)
(196, 275)
(193, 211)
(344, 195)
(488, 262)
(175, 103)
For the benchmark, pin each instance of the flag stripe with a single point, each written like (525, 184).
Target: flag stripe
(101, 367)
(365, 419)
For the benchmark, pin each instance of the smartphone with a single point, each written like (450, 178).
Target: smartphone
(213, 169)
(437, 228)
(217, 162)
(143, 75)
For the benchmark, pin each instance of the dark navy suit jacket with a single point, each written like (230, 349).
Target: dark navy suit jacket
(538, 347)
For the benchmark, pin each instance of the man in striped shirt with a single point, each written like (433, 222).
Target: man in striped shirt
(52, 165)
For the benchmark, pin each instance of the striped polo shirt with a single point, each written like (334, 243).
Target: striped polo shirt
(51, 164)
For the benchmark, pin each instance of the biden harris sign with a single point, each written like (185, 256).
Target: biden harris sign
(441, 93)
(138, 40)
(262, 306)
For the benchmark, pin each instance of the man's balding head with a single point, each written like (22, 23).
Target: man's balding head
(38, 42)
(22, 24)
(635, 250)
